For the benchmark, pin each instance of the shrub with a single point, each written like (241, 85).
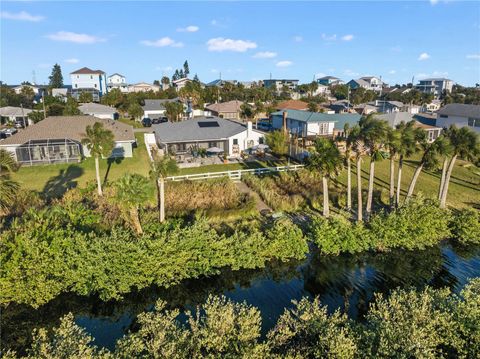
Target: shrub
(465, 226)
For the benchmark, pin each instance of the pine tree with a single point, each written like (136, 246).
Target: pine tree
(186, 69)
(195, 78)
(56, 78)
(181, 74)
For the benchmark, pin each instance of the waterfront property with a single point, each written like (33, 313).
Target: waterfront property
(57, 139)
(214, 133)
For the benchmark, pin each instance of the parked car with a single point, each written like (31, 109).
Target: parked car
(264, 126)
(156, 121)
(7, 132)
(147, 122)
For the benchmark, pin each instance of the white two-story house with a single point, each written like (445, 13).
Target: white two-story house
(117, 81)
(435, 86)
(368, 83)
(460, 115)
(91, 81)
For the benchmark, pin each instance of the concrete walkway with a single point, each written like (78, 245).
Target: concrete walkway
(259, 204)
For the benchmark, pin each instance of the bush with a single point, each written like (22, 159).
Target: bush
(465, 226)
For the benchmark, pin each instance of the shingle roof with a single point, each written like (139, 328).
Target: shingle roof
(14, 111)
(460, 109)
(96, 108)
(72, 127)
(230, 106)
(116, 73)
(361, 82)
(396, 118)
(292, 105)
(307, 116)
(86, 71)
(190, 130)
(328, 78)
(157, 105)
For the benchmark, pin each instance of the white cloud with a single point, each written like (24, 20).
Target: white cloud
(423, 56)
(191, 28)
(329, 37)
(72, 61)
(75, 37)
(392, 72)
(163, 42)
(297, 38)
(473, 57)
(434, 2)
(284, 63)
(265, 55)
(348, 37)
(222, 44)
(22, 16)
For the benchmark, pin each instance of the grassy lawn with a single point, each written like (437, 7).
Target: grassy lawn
(464, 189)
(55, 179)
(133, 123)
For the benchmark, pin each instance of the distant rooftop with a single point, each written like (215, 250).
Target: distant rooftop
(460, 109)
(96, 108)
(307, 116)
(87, 71)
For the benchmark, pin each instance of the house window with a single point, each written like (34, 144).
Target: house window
(444, 116)
(235, 141)
(323, 128)
(95, 85)
(76, 85)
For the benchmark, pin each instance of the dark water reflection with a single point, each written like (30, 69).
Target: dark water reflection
(347, 282)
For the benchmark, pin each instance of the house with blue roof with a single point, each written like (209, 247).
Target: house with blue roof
(312, 124)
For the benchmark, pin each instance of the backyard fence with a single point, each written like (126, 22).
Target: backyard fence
(234, 174)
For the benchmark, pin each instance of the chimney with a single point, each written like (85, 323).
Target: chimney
(285, 114)
(249, 129)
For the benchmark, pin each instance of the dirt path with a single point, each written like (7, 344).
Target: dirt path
(260, 205)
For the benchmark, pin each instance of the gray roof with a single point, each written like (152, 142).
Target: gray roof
(190, 130)
(361, 82)
(8, 111)
(72, 127)
(460, 109)
(435, 79)
(96, 108)
(396, 118)
(328, 78)
(156, 105)
(307, 116)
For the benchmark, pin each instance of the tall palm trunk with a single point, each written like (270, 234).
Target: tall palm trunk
(97, 174)
(442, 181)
(161, 182)
(368, 209)
(326, 206)
(399, 179)
(417, 172)
(443, 200)
(349, 184)
(359, 190)
(136, 220)
(392, 181)
(159, 198)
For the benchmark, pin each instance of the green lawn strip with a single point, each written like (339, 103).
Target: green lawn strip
(128, 121)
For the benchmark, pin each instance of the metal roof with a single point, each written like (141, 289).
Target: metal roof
(197, 129)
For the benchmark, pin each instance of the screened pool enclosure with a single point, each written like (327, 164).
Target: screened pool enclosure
(49, 151)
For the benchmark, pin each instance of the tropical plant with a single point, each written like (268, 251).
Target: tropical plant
(99, 141)
(135, 111)
(373, 133)
(393, 144)
(277, 141)
(351, 137)
(71, 107)
(465, 144)
(246, 111)
(173, 110)
(132, 191)
(85, 97)
(327, 161)
(8, 187)
(312, 106)
(431, 151)
(161, 167)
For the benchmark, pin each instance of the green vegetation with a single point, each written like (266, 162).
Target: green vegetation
(408, 324)
(465, 225)
(8, 187)
(128, 121)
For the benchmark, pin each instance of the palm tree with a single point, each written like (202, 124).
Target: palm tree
(373, 134)
(407, 146)
(465, 145)
(133, 190)
(393, 144)
(440, 147)
(99, 142)
(351, 138)
(161, 167)
(327, 161)
(8, 187)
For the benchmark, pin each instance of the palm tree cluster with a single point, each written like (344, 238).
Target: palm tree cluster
(8, 187)
(376, 140)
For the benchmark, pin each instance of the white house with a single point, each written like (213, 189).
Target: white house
(143, 87)
(98, 110)
(435, 86)
(57, 139)
(180, 83)
(36, 90)
(367, 82)
(309, 124)
(460, 115)
(91, 81)
(15, 115)
(156, 108)
(117, 81)
(186, 137)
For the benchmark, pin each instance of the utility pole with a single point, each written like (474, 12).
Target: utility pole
(23, 116)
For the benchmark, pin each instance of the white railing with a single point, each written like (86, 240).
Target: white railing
(234, 174)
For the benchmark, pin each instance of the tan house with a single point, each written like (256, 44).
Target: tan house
(143, 87)
(230, 109)
(292, 105)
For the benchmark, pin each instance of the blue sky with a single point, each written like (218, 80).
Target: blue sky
(243, 40)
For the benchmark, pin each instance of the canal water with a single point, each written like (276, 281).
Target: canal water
(345, 282)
